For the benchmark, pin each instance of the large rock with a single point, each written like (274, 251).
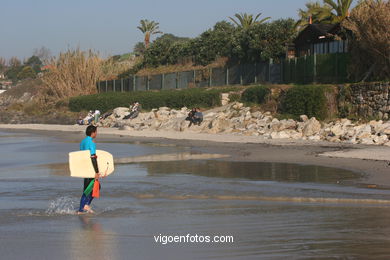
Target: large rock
(121, 112)
(219, 125)
(311, 127)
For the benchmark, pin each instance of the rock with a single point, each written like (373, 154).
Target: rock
(218, 125)
(337, 130)
(225, 99)
(314, 138)
(367, 141)
(280, 135)
(303, 118)
(121, 112)
(311, 127)
(380, 140)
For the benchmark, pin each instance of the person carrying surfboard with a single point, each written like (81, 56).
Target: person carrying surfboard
(88, 144)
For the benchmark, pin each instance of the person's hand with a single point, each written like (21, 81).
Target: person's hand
(97, 175)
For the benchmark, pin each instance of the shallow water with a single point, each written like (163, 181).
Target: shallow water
(273, 211)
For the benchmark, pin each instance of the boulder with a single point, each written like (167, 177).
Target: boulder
(121, 112)
(311, 127)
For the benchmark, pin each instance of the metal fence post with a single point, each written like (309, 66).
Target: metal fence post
(210, 75)
(147, 83)
(121, 85)
(134, 81)
(315, 68)
(255, 72)
(227, 75)
(194, 78)
(106, 86)
(162, 80)
(240, 70)
(177, 80)
(295, 70)
(113, 85)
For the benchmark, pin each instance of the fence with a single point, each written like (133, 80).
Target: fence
(243, 74)
(324, 68)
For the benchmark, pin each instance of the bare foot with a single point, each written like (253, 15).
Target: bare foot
(88, 209)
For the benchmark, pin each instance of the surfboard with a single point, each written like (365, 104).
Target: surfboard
(80, 164)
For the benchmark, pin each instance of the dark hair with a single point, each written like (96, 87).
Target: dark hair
(90, 129)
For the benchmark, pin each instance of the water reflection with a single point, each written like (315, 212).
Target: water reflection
(91, 241)
(253, 171)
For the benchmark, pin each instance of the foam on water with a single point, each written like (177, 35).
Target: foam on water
(61, 206)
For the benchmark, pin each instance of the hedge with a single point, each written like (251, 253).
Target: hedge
(148, 99)
(305, 100)
(256, 94)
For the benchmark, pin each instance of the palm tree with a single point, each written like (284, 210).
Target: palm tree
(341, 8)
(314, 13)
(245, 21)
(148, 28)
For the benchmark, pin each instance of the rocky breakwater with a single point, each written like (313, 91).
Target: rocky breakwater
(236, 119)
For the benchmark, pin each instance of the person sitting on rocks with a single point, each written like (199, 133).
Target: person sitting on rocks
(134, 111)
(88, 119)
(198, 117)
(80, 121)
(190, 116)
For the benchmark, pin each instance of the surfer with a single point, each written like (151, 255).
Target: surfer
(88, 144)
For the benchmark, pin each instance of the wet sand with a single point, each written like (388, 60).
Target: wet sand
(371, 161)
(273, 210)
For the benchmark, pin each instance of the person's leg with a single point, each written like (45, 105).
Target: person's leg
(83, 202)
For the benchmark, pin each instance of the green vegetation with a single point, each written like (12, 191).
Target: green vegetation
(257, 42)
(19, 71)
(148, 28)
(245, 21)
(256, 94)
(149, 100)
(328, 12)
(305, 100)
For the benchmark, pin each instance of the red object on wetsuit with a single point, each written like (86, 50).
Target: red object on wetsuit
(96, 189)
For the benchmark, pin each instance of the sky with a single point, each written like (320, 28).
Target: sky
(110, 26)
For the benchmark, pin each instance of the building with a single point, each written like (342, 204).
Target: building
(319, 39)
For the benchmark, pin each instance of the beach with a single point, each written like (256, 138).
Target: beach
(273, 199)
(369, 160)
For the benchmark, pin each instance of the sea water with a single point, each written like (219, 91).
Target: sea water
(272, 211)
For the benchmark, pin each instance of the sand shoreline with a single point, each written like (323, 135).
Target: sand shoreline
(371, 161)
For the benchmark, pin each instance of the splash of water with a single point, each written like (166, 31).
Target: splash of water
(61, 206)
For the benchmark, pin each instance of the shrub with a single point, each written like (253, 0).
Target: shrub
(149, 100)
(257, 94)
(305, 100)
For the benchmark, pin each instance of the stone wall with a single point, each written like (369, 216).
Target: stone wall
(366, 100)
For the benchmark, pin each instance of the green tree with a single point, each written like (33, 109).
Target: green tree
(148, 28)
(316, 12)
(213, 43)
(340, 9)
(35, 63)
(165, 50)
(139, 48)
(245, 21)
(26, 73)
(262, 41)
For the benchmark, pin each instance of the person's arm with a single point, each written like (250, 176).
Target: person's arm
(94, 159)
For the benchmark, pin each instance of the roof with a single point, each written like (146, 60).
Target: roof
(312, 32)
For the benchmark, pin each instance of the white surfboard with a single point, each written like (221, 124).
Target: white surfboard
(80, 164)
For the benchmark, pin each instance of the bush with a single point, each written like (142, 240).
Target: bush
(149, 100)
(305, 100)
(257, 94)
